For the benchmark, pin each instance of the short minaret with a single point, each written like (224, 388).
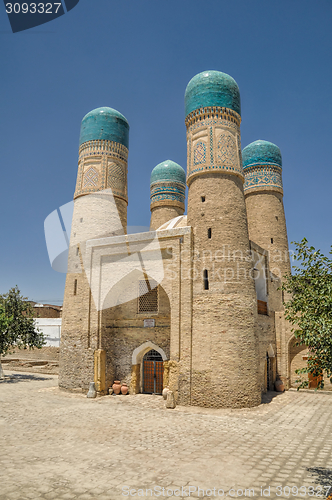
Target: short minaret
(262, 165)
(103, 159)
(167, 185)
(100, 210)
(224, 344)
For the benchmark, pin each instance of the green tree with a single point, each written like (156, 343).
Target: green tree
(17, 326)
(3, 328)
(310, 308)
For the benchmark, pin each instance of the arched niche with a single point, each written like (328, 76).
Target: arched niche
(143, 349)
(138, 356)
(295, 360)
(127, 332)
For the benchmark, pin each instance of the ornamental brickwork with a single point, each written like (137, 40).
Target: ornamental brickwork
(213, 143)
(224, 298)
(102, 165)
(260, 177)
(214, 315)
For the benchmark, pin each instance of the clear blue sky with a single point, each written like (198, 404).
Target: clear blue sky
(137, 56)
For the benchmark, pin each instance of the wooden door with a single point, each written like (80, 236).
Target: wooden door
(152, 372)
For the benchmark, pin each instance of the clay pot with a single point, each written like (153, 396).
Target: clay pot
(279, 386)
(124, 389)
(116, 387)
(165, 391)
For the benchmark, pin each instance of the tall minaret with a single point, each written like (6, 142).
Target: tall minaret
(224, 344)
(168, 186)
(100, 210)
(263, 191)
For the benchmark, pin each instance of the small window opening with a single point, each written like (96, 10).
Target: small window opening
(206, 279)
(203, 199)
(81, 219)
(271, 240)
(75, 287)
(209, 233)
(148, 297)
(276, 217)
(77, 250)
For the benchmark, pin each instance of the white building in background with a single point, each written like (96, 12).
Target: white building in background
(49, 323)
(51, 328)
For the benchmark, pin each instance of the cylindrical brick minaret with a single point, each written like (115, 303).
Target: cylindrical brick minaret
(100, 210)
(262, 165)
(224, 344)
(102, 163)
(168, 186)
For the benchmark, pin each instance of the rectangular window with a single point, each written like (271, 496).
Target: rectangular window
(209, 233)
(271, 240)
(75, 287)
(203, 198)
(148, 297)
(206, 279)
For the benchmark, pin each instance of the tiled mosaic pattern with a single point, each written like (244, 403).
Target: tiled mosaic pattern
(117, 179)
(262, 176)
(223, 146)
(213, 112)
(102, 165)
(90, 178)
(168, 190)
(227, 150)
(200, 153)
(168, 182)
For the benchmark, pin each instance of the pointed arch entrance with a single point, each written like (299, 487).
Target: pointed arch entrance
(152, 372)
(148, 369)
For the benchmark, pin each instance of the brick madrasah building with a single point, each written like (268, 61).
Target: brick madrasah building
(193, 304)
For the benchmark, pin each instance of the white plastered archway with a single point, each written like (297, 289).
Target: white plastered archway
(143, 349)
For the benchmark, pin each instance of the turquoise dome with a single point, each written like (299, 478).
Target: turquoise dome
(105, 124)
(168, 171)
(261, 153)
(212, 88)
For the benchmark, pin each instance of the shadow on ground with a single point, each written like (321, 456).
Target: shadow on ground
(20, 377)
(323, 477)
(269, 395)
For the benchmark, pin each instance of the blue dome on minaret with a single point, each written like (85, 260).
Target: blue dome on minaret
(105, 124)
(168, 183)
(261, 153)
(168, 171)
(212, 89)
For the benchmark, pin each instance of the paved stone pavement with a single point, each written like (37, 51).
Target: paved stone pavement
(59, 445)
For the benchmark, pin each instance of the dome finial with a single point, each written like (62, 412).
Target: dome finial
(105, 124)
(212, 89)
(261, 153)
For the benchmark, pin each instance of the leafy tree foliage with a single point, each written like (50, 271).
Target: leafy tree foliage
(17, 327)
(3, 326)
(310, 308)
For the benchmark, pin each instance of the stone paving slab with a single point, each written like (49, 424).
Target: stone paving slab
(59, 445)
